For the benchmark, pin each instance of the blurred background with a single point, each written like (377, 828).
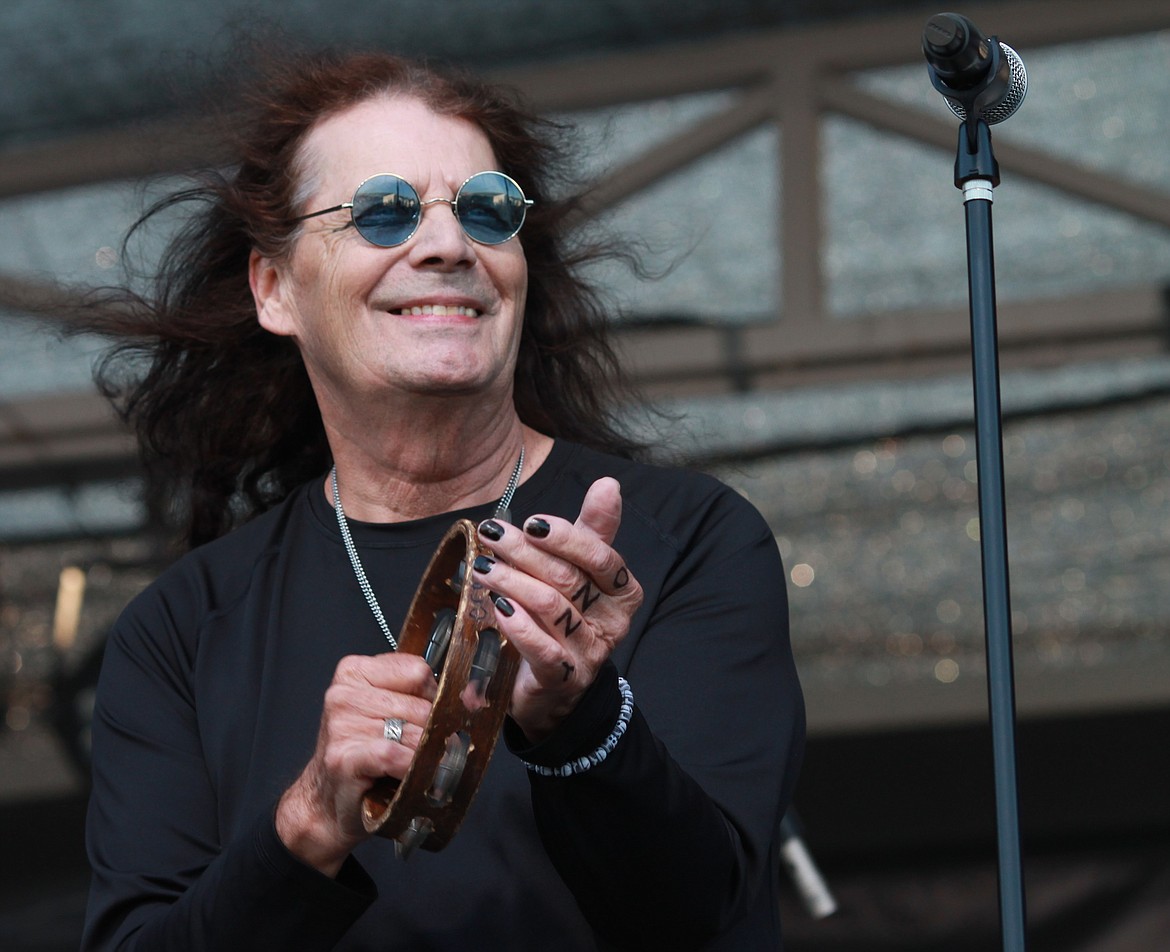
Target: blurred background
(789, 166)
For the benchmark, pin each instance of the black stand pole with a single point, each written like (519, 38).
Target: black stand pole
(977, 174)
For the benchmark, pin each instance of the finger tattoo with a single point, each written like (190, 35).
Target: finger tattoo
(569, 669)
(622, 579)
(566, 618)
(588, 595)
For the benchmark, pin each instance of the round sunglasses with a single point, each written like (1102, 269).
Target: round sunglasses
(386, 209)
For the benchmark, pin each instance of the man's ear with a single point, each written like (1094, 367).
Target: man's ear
(270, 289)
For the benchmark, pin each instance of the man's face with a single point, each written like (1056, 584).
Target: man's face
(436, 315)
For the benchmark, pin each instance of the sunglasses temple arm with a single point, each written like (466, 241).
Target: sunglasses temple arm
(324, 211)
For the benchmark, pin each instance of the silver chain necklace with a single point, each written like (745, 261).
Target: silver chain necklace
(351, 549)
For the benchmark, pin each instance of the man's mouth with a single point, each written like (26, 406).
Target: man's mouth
(439, 310)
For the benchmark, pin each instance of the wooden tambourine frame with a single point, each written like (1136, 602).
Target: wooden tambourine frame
(476, 667)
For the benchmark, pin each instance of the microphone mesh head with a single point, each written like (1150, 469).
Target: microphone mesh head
(1017, 89)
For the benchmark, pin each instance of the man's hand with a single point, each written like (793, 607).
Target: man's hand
(564, 598)
(319, 816)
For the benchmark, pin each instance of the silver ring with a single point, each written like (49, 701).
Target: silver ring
(392, 729)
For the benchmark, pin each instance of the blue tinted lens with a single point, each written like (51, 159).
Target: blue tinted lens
(490, 207)
(386, 210)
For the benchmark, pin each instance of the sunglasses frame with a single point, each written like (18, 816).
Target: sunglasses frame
(453, 202)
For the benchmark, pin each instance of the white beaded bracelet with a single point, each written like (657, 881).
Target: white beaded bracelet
(581, 764)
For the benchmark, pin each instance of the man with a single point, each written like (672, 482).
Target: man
(370, 245)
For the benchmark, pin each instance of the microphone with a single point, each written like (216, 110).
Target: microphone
(976, 75)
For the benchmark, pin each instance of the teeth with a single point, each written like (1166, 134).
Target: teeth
(439, 309)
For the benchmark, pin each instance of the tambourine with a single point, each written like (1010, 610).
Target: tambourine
(451, 623)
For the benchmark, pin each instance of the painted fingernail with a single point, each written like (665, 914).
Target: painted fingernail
(491, 530)
(536, 527)
(483, 564)
(503, 606)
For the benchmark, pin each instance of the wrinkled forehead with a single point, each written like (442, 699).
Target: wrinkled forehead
(388, 133)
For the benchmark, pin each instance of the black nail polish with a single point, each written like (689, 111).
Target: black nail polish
(503, 606)
(536, 527)
(492, 530)
(483, 564)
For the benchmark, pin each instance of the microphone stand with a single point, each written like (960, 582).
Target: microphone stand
(977, 174)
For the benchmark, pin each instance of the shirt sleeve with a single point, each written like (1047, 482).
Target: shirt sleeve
(668, 841)
(165, 876)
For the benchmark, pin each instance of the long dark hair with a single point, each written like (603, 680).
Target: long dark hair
(224, 412)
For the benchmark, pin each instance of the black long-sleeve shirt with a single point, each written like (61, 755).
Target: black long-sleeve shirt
(210, 699)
